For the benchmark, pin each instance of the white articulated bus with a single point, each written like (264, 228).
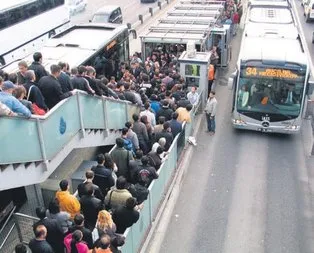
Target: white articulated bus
(75, 47)
(271, 80)
(25, 26)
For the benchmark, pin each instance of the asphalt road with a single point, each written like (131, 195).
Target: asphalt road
(130, 9)
(244, 192)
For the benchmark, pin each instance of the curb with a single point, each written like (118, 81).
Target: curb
(148, 15)
(162, 219)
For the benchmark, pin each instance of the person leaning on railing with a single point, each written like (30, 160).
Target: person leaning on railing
(5, 111)
(6, 89)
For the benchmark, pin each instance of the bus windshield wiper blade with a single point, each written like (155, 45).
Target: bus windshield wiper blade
(279, 111)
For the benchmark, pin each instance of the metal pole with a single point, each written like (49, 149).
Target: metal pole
(42, 143)
(140, 17)
(19, 231)
(312, 124)
(80, 114)
(104, 110)
(126, 112)
(150, 202)
(106, 113)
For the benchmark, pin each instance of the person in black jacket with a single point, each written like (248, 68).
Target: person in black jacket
(103, 175)
(54, 230)
(90, 207)
(125, 216)
(183, 102)
(79, 225)
(165, 111)
(79, 81)
(108, 92)
(82, 189)
(139, 191)
(51, 88)
(145, 172)
(155, 159)
(166, 133)
(23, 67)
(93, 82)
(34, 94)
(38, 68)
(133, 165)
(39, 244)
(128, 94)
(64, 79)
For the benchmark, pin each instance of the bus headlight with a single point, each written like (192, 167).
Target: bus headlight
(293, 127)
(238, 122)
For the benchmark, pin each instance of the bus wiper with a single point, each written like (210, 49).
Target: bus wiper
(279, 111)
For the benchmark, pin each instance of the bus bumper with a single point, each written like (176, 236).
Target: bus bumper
(284, 129)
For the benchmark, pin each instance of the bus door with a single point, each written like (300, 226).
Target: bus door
(220, 38)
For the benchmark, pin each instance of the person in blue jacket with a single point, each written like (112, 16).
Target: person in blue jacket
(6, 89)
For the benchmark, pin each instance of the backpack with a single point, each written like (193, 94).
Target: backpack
(128, 145)
(151, 161)
(143, 175)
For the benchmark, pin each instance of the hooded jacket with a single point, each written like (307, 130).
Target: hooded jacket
(68, 203)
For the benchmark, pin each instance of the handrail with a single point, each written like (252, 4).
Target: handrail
(156, 181)
(61, 123)
(7, 236)
(75, 92)
(151, 204)
(8, 219)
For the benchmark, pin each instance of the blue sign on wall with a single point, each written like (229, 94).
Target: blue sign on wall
(62, 126)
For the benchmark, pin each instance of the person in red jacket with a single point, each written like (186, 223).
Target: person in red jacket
(235, 21)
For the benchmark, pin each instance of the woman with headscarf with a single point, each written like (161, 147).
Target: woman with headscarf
(161, 143)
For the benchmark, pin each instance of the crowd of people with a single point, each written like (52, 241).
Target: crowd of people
(34, 90)
(113, 192)
(109, 200)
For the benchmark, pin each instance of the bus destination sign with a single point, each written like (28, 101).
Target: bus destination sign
(271, 73)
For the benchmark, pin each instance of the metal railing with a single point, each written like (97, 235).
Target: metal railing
(136, 234)
(8, 234)
(69, 117)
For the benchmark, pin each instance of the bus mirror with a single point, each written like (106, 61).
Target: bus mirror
(231, 80)
(310, 87)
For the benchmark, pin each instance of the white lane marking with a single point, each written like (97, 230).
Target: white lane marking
(247, 216)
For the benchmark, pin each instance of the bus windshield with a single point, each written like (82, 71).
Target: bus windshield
(270, 90)
(100, 18)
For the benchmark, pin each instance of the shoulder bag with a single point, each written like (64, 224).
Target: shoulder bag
(37, 110)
